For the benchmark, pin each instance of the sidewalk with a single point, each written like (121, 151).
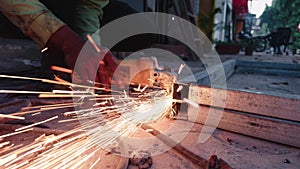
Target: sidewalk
(263, 57)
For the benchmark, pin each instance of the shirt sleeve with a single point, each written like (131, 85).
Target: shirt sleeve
(87, 16)
(32, 17)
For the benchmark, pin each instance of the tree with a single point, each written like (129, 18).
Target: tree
(283, 13)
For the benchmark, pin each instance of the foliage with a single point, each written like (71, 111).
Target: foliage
(205, 22)
(283, 13)
(246, 43)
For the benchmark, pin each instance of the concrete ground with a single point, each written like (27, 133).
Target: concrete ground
(22, 57)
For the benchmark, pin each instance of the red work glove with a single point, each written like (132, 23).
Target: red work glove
(83, 58)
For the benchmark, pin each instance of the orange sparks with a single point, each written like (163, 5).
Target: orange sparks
(61, 69)
(11, 117)
(93, 43)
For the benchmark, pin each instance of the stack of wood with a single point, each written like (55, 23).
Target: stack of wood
(273, 117)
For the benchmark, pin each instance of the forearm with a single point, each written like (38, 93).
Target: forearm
(32, 17)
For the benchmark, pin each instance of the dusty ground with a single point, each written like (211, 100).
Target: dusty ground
(22, 57)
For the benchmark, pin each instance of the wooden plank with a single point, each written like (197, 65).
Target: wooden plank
(276, 130)
(281, 106)
(268, 65)
(215, 75)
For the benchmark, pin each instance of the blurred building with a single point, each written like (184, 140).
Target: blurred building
(223, 29)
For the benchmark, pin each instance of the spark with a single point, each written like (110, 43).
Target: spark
(181, 68)
(21, 77)
(149, 130)
(20, 165)
(179, 88)
(125, 95)
(116, 116)
(144, 88)
(56, 106)
(15, 133)
(35, 114)
(50, 95)
(43, 109)
(22, 92)
(83, 160)
(139, 88)
(90, 39)
(190, 102)
(38, 123)
(53, 108)
(154, 59)
(101, 103)
(7, 159)
(44, 50)
(11, 117)
(4, 144)
(70, 92)
(61, 69)
(95, 163)
(68, 120)
(52, 82)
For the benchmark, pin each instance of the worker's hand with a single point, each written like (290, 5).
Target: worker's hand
(92, 66)
(88, 64)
